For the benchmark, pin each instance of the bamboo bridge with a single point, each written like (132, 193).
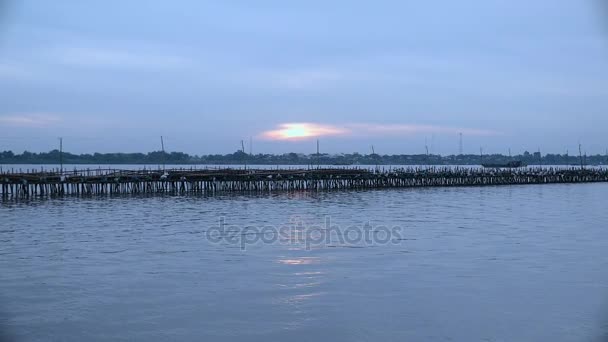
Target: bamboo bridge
(40, 183)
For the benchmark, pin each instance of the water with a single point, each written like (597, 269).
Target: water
(511, 263)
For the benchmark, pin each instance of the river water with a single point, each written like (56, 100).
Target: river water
(510, 263)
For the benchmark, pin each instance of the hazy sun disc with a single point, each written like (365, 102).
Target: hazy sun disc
(295, 131)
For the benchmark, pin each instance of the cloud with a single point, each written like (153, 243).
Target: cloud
(419, 129)
(102, 57)
(307, 130)
(29, 120)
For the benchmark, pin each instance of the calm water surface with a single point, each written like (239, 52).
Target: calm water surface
(512, 263)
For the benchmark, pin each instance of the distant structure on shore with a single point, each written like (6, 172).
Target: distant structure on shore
(509, 165)
(240, 157)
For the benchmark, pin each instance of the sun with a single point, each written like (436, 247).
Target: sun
(296, 131)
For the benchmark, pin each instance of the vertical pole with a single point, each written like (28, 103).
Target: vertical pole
(428, 162)
(460, 144)
(61, 155)
(426, 148)
(481, 155)
(585, 160)
(244, 154)
(375, 158)
(318, 161)
(580, 155)
(162, 146)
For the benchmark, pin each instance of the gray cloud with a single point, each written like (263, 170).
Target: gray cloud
(29, 120)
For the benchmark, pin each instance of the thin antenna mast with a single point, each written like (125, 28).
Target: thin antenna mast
(374, 156)
(580, 155)
(244, 154)
(460, 143)
(61, 155)
(162, 146)
(318, 155)
(426, 147)
(585, 157)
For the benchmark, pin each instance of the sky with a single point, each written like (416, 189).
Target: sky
(115, 75)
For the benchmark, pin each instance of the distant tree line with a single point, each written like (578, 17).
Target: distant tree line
(239, 157)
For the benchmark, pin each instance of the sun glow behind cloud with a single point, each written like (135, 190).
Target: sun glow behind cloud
(301, 131)
(306, 130)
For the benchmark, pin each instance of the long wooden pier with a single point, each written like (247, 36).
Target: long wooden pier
(209, 181)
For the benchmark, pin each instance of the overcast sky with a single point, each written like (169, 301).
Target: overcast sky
(114, 76)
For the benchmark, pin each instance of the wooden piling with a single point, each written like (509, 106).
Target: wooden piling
(179, 181)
